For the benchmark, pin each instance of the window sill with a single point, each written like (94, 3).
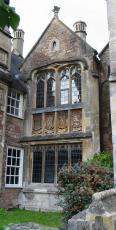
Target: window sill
(41, 188)
(13, 186)
(57, 108)
(21, 118)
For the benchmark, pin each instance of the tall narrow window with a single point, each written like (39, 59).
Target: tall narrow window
(37, 166)
(14, 167)
(76, 85)
(49, 165)
(65, 87)
(51, 87)
(62, 156)
(40, 94)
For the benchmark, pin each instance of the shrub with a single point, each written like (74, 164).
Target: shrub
(77, 185)
(103, 159)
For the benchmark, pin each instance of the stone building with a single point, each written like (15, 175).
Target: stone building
(53, 111)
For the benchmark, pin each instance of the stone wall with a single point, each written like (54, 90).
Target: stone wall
(101, 214)
(9, 198)
(105, 120)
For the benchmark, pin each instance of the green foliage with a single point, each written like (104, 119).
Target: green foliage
(8, 16)
(104, 159)
(51, 219)
(77, 185)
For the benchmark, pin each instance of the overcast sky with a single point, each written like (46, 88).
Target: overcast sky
(35, 16)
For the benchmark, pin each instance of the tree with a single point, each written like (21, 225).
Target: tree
(8, 16)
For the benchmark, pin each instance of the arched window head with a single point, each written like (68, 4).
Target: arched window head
(76, 84)
(64, 85)
(51, 88)
(40, 94)
(54, 45)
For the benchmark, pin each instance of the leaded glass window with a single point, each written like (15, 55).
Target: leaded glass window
(40, 94)
(64, 86)
(49, 165)
(51, 89)
(49, 159)
(76, 85)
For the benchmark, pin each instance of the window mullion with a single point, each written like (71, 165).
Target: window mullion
(45, 93)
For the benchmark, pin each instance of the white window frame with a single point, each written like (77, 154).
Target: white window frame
(20, 108)
(20, 175)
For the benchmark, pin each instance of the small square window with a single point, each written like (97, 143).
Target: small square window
(15, 103)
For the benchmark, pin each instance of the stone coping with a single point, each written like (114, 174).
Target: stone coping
(29, 226)
(105, 194)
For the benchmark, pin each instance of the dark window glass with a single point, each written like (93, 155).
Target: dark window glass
(62, 157)
(7, 180)
(14, 152)
(8, 170)
(49, 166)
(37, 167)
(12, 180)
(12, 102)
(9, 161)
(12, 110)
(16, 180)
(18, 161)
(40, 94)
(18, 153)
(51, 92)
(9, 152)
(13, 161)
(12, 171)
(17, 171)
(76, 153)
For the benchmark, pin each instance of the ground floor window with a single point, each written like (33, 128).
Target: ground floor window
(49, 159)
(14, 167)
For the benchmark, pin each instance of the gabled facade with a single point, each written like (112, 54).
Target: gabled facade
(52, 113)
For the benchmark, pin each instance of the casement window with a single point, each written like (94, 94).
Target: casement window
(15, 103)
(59, 87)
(49, 159)
(14, 167)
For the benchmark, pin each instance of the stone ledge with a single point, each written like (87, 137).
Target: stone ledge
(105, 194)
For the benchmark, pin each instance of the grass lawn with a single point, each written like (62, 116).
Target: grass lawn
(15, 216)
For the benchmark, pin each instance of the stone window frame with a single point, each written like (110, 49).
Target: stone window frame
(54, 45)
(42, 75)
(14, 167)
(15, 103)
(5, 54)
(39, 160)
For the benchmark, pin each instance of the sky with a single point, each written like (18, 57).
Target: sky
(35, 16)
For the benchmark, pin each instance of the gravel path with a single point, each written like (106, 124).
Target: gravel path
(29, 226)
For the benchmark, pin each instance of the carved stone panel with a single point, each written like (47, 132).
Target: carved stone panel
(76, 120)
(62, 121)
(49, 123)
(37, 124)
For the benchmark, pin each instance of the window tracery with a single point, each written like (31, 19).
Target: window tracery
(69, 81)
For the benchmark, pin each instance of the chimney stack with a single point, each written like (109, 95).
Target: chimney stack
(18, 41)
(80, 29)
